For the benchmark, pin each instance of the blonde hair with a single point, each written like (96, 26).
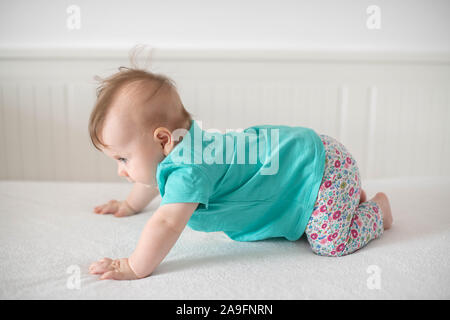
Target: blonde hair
(110, 87)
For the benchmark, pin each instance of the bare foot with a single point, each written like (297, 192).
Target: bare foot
(382, 200)
(363, 196)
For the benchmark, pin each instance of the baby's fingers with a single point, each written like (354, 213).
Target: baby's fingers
(101, 266)
(115, 275)
(124, 211)
(110, 207)
(98, 209)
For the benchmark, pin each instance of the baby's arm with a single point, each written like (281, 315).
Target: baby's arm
(140, 196)
(158, 237)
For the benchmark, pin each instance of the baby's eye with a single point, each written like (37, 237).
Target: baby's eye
(122, 159)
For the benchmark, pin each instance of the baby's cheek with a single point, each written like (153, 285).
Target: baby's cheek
(145, 175)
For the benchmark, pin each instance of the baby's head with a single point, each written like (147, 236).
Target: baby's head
(133, 119)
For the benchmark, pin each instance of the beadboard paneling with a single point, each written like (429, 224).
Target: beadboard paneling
(391, 111)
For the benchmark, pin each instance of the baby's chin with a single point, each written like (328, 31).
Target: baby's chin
(146, 185)
(152, 183)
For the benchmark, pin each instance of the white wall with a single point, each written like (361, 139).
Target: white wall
(389, 109)
(406, 25)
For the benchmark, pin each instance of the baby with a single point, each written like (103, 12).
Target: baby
(262, 182)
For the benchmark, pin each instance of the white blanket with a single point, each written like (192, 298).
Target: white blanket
(49, 237)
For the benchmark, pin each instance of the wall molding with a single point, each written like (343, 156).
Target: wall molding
(229, 54)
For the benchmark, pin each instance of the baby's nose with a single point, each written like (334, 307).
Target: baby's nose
(122, 173)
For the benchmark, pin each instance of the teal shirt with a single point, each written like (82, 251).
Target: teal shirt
(259, 183)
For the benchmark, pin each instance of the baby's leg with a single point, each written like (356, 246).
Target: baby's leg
(339, 224)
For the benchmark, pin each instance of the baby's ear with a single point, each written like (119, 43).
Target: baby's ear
(163, 137)
(158, 134)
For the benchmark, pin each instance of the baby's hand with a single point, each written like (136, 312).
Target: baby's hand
(118, 208)
(118, 269)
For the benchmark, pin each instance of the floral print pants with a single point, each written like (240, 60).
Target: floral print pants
(339, 225)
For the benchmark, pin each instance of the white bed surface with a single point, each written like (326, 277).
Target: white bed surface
(47, 227)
